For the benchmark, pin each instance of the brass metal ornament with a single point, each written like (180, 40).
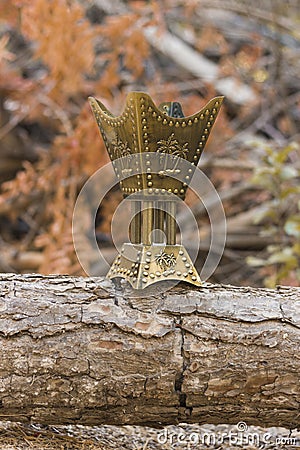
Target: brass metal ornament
(154, 151)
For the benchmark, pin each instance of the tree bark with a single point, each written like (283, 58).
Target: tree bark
(84, 350)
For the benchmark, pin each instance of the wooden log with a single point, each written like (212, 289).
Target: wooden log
(83, 350)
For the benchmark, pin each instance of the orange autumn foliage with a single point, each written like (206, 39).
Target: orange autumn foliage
(69, 58)
(63, 40)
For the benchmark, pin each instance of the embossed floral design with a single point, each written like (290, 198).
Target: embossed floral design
(120, 148)
(164, 260)
(175, 150)
(171, 146)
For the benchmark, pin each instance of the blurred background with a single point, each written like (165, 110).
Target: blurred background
(54, 54)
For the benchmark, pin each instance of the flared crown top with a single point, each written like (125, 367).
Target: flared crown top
(143, 128)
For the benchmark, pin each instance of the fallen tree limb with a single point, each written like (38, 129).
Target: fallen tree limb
(82, 350)
(198, 65)
(187, 58)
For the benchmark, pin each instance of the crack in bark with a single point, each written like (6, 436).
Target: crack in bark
(217, 340)
(286, 320)
(282, 312)
(179, 378)
(239, 320)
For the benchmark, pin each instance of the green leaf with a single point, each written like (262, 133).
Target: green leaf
(288, 172)
(282, 155)
(271, 281)
(285, 256)
(255, 262)
(296, 248)
(264, 212)
(289, 190)
(271, 230)
(292, 226)
(273, 248)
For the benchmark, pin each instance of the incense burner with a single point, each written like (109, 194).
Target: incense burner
(154, 151)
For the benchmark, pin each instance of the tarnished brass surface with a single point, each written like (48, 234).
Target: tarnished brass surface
(136, 224)
(143, 265)
(145, 129)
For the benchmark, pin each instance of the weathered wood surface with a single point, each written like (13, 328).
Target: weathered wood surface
(82, 350)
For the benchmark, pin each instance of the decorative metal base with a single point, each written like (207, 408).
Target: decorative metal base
(143, 265)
